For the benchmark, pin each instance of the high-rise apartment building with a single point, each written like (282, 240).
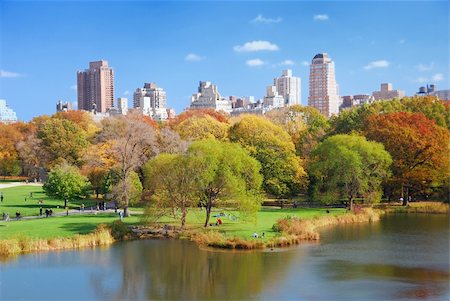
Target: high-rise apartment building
(288, 87)
(209, 97)
(273, 99)
(122, 105)
(387, 92)
(63, 106)
(95, 87)
(151, 101)
(7, 115)
(323, 90)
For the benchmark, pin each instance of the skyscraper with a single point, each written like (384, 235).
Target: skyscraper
(288, 86)
(7, 115)
(95, 87)
(323, 91)
(151, 101)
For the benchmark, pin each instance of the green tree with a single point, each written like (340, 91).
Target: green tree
(65, 182)
(61, 139)
(349, 166)
(202, 127)
(269, 144)
(228, 173)
(172, 182)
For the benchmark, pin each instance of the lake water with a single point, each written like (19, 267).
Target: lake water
(403, 257)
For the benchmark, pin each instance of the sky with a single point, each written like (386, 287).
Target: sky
(238, 45)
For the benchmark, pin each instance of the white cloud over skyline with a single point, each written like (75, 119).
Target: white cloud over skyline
(255, 62)
(321, 17)
(287, 63)
(261, 19)
(256, 46)
(9, 74)
(192, 57)
(425, 67)
(438, 77)
(377, 64)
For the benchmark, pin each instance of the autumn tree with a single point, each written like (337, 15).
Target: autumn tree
(9, 156)
(418, 147)
(228, 173)
(82, 118)
(170, 142)
(305, 125)
(61, 139)
(133, 143)
(269, 144)
(66, 182)
(202, 127)
(349, 166)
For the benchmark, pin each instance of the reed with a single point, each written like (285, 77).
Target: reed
(421, 207)
(101, 236)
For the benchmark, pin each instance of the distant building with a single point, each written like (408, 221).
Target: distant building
(7, 115)
(323, 89)
(95, 87)
(63, 106)
(171, 113)
(208, 96)
(387, 92)
(273, 99)
(431, 90)
(349, 101)
(288, 87)
(151, 101)
(122, 105)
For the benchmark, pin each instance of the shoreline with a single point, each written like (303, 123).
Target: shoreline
(293, 231)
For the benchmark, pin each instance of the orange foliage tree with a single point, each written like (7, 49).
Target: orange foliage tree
(418, 147)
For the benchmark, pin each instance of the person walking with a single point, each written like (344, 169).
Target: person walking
(1, 196)
(40, 211)
(121, 215)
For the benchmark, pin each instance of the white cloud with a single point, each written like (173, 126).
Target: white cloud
(305, 63)
(438, 77)
(320, 17)
(9, 74)
(73, 87)
(377, 64)
(421, 80)
(425, 67)
(402, 41)
(255, 63)
(126, 92)
(192, 57)
(256, 46)
(261, 19)
(287, 63)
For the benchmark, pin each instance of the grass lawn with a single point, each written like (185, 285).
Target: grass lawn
(59, 226)
(266, 218)
(18, 199)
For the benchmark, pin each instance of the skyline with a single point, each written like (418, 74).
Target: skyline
(178, 44)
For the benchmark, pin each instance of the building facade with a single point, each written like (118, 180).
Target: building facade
(273, 99)
(323, 90)
(151, 101)
(95, 87)
(208, 96)
(7, 115)
(431, 90)
(63, 106)
(288, 87)
(386, 92)
(349, 101)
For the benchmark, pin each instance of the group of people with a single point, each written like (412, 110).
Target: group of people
(48, 212)
(256, 235)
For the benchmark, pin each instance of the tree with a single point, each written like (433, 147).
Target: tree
(82, 118)
(305, 125)
(65, 182)
(61, 139)
(203, 127)
(418, 147)
(349, 166)
(9, 157)
(219, 116)
(273, 148)
(133, 143)
(228, 173)
(172, 180)
(170, 142)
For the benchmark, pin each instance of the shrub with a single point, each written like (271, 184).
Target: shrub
(119, 230)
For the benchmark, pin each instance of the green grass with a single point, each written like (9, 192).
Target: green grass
(63, 226)
(266, 218)
(14, 200)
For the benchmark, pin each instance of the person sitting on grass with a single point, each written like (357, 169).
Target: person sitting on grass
(219, 222)
(17, 215)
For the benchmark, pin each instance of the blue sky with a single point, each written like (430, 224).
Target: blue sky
(240, 46)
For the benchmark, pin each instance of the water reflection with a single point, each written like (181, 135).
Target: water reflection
(174, 270)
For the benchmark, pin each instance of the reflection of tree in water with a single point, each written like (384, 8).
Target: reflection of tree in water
(179, 270)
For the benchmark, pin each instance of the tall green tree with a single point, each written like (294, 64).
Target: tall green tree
(349, 166)
(66, 182)
(228, 173)
(269, 144)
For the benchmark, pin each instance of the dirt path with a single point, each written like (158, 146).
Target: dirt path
(14, 184)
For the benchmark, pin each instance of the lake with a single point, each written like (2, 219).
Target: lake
(403, 257)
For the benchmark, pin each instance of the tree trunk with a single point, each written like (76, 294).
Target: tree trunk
(208, 212)
(405, 199)
(125, 211)
(65, 203)
(183, 217)
(351, 204)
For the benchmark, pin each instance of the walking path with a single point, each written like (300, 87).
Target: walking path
(14, 184)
